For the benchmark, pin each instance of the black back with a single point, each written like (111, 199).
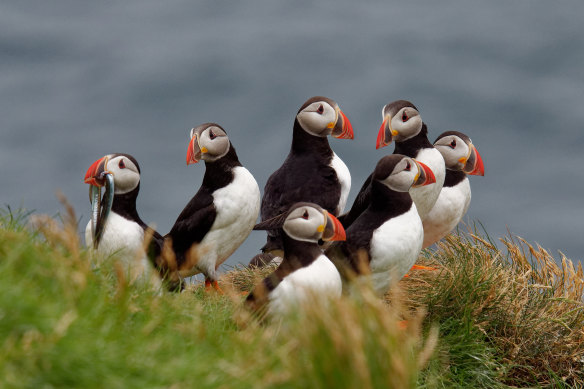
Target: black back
(198, 216)
(359, 205)
(305, 176)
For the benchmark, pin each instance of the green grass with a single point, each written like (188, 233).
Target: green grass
(65, 324)
(68, 322)
(486, 318)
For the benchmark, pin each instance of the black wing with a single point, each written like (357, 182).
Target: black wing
(359, 205)
(301, 179)
(155, 246)
(192, 224)
(276, 194)
(351, 257)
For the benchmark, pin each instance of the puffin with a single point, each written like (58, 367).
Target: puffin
(312, 172)
(305, 272)
(403, 124)
(222, 213)
(461, 158)
(115, 226)
(386, 238)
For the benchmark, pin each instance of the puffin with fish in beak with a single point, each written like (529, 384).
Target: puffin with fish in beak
(115, 226)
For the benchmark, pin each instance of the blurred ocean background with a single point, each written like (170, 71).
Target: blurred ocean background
(79, 80)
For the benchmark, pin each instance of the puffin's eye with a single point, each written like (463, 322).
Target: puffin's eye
(320, 109)
(408, 166)
(122, 165)
(212, 135)
(405, 117)
(453, 143)
(305, 215)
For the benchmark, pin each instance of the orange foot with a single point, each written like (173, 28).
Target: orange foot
(214, 284)
(420, 267)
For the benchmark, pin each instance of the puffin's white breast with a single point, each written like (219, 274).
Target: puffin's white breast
(237, 206)
(320, 279)
(447, 212)
(426, 196)
(120, 236)
(124, 238)
(344, 177)
(395, 246)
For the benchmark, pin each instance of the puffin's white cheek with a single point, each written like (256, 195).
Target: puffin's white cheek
(314, 123)
(212, 150)
(407, 129)
(449, 156)
(462, 151)
(218, 146)
(416, 122)
(400, 127)
(402, 181)
(302, 230)
(125, 181)
(452, 156)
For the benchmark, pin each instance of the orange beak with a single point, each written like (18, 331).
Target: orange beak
(384, 136)
(426, 176)
(194, 151)
(343, 128)
(92, 177)
(333, 230)
(474, 165)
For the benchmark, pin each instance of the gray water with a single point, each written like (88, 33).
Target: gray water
(79, 80)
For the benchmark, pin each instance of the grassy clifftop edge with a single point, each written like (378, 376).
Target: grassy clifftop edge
(486, 317)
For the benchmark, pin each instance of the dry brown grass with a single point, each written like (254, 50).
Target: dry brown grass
(244, 278)
(527, 304)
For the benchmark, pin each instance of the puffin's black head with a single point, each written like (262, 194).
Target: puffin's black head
(400, 173)
(459, 153)
(306, 222)
(401, 121)
(208, 142)
(321, 116)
